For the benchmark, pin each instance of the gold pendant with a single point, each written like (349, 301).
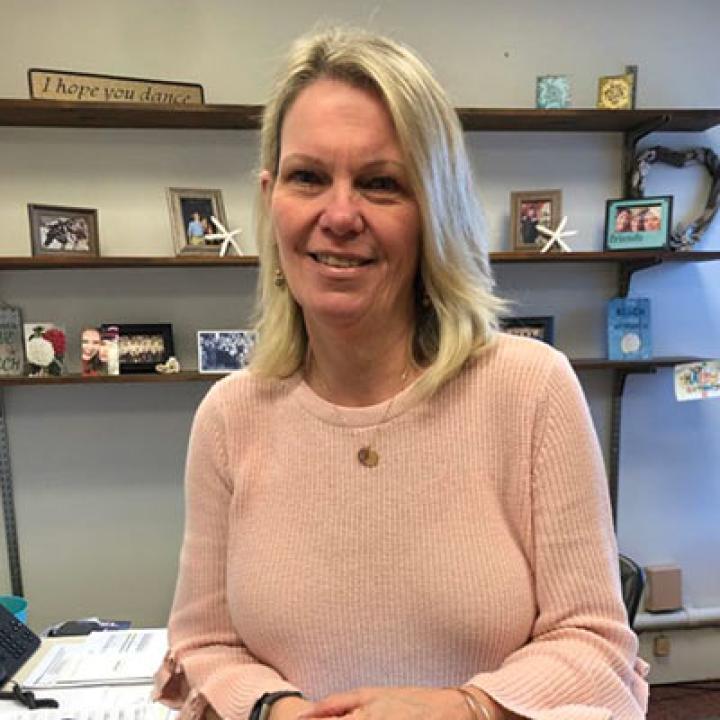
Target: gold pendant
(368, 457)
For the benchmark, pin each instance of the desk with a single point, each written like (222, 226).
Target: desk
(79, 702)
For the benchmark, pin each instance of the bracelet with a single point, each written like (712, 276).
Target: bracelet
(262, 707)
(478, 709)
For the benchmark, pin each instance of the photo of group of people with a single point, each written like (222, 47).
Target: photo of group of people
(528, 209)
(646, 218)
(142, 349)
(191, 212)
(638, 223)
(533, 214)
(222, 351)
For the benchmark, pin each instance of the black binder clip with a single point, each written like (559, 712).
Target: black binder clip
(27, 698)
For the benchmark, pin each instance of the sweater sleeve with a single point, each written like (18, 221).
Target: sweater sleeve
(207, 661)
(581, 661)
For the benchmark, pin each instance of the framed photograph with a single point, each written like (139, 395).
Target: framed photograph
(45, 346)
(616, 92)
(638, 224)
(141, 347)
(222, 351)
(64, 231)
(552, 92)
(11, 340)
(538, 327)
(190, 213)
(100, 351)
(528, 209)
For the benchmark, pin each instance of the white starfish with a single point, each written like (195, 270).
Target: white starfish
(556, 236)
(228, 238)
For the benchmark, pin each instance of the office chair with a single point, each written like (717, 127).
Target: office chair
(632, 579)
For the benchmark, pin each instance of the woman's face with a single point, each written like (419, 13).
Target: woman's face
(345, 220)
(652, 222)
(90, 343)
(622, 219)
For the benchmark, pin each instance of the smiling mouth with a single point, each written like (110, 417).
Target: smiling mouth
(338, 262)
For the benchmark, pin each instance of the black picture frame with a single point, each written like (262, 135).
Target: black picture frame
(537, 327)
(136, 359)
(631, 234)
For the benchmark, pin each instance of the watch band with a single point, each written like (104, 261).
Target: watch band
(261, 709)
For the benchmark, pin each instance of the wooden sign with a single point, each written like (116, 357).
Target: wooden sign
(86, 87)
(11, 341)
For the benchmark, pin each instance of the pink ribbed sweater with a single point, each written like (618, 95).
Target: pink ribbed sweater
(479, 550)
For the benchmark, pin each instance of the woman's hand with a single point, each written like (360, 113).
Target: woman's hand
(288, 708)
(380, 703)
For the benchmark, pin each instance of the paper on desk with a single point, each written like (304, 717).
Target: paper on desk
(140, 711)
(120, 657)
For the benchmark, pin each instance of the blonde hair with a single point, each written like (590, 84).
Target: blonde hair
(454, 272)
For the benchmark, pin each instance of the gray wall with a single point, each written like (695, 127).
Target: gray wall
(98, 469)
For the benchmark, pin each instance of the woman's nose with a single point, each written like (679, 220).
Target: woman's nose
(341, 215)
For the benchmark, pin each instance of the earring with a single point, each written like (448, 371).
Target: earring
(279, 278)
(425, 301)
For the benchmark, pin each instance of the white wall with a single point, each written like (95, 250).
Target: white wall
(98, 469)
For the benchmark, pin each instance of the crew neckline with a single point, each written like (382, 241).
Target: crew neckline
(342, 416)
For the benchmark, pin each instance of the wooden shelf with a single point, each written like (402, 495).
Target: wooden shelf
(194, 376)
(45, 113)
(628, 256)
(43, 262)
(587, 119)
(77, 379)
(631, 365)
(49, 262)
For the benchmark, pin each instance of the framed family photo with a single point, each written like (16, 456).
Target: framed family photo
(638, 223)
(222, 351)
(191, 213)
(142, 347)
(537, 327)
(63, 231)
(528, 209)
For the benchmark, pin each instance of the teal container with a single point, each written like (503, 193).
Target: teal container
(16, 605)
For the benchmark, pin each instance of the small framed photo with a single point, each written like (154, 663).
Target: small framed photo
(141, 347)
(222, 351)
(528, 209)
(616, 92)
(538, 327)
(190, 216)
(100, 351)
(638, 224)
(45, 348)
(552, 92)
(63, 231)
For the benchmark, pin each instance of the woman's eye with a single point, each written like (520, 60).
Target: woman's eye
(304, 177)
(381, 184)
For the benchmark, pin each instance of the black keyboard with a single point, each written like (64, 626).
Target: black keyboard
(17, 644)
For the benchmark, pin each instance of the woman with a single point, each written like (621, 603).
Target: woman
(394, 497)
(622, 220)
(90, 341)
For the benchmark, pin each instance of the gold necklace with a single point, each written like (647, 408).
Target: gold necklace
(367, 455)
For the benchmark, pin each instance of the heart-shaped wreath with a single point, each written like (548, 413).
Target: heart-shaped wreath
(684, 236)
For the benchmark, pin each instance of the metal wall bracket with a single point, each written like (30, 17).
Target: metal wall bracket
(8, 503)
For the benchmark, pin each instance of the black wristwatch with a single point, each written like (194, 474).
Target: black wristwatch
(261, 709)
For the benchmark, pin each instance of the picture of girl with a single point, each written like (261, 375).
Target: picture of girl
(90, 352)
